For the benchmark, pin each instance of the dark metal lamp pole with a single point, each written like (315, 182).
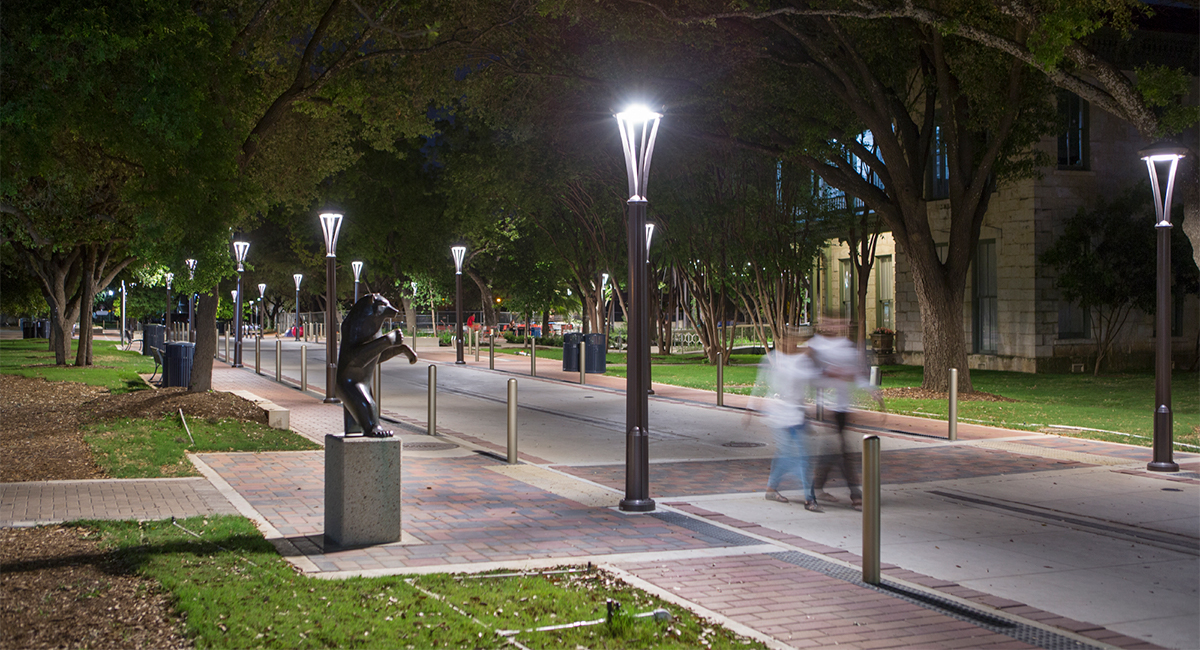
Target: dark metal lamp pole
(331, 225)
(191, 264)
(459, 253)
(1167, 152)
(296, 326)
(167, 334)
(638, 127)
(240, 248)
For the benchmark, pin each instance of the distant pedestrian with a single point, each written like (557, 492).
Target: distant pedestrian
(784, 379)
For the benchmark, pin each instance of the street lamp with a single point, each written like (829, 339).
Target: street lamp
(357, 266)
(167, 334)
(191, 264)
(459, 253)
(1168, 152)
(240, 248)
(331, 225)
(262, 294)
(296, 326)
(638, 127)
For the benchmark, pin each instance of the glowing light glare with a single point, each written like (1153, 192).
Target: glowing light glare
(298, 277)
(357, 266)
(331, 226)
(1163, 151)
(240, 248)
(459, 253)
(262, 290)
(639, 127)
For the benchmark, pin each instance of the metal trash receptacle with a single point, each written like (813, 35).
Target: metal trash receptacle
(153, 336)
(29, 329)
(43, 328)
(594, 353)
(177, 364)
(571, 343)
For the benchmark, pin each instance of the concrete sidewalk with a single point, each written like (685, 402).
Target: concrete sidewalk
(1002, 539)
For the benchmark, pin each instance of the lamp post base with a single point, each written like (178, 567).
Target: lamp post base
(636, 505)
(332, 400)
(1162, 466)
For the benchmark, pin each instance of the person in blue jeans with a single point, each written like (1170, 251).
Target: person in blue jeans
(784, 377)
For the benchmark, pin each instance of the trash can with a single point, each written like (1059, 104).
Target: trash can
(43, 328)
(28, 328)
(594, 352)
(571, 341)
(177, 364)
(153, 336)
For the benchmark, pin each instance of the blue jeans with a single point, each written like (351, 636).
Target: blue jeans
(791, 457)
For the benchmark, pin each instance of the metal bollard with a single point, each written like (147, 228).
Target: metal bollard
(377, 390)
(475, 336)
(870, 542)
(303, 368)
(257, 356)
(582, 362)
(492, 352)
(874, 376)
(512, 421)
(279, 361)
(432, 427)
(227, 347)
(720, 380)
(533, 357)
(954, 403)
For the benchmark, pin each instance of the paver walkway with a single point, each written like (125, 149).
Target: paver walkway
(466, 511)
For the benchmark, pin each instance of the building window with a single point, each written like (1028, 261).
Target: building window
(984, 317)
(1072, 131)
(847, 289)
(939, 167)
(1072, 321)
(883, 293)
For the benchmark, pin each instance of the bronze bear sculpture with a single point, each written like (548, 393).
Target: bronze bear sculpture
(361, 349)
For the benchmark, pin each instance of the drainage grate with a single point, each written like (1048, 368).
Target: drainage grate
(740, 445)
(429, 446)
(705, 528)
(1187, 474)
(1032, 635)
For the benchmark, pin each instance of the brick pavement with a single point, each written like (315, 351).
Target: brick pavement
(42, 502)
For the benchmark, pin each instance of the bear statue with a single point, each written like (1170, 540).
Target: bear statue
(361, 349)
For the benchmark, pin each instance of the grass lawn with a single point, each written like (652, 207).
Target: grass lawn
(113, 368)
(143, 448)
(1122, 403)
(235, 591)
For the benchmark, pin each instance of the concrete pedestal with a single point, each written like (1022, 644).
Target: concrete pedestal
(362, 490)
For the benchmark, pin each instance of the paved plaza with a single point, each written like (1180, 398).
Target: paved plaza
(1000, 539)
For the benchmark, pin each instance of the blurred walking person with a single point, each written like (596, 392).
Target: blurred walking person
(784, 378)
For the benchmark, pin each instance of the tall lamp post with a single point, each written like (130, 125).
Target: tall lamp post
(1163, 152)
(167, 334)
(459, 253)
(262, 294)
(240, 248)
(296, 326)
(191, 264)
(638, 127)
(331, 225)
(357, 266)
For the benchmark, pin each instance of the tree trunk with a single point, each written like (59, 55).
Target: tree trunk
(941, 306)
(489, 300)
(1189, 189)
(206, 343)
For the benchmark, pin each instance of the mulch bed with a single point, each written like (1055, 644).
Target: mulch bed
(914, 392)
(60, 590)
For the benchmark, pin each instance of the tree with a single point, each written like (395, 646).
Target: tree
(1106, 263)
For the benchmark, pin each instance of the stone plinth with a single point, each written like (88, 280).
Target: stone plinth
(362, 490)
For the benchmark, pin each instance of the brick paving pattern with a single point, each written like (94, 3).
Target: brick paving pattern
(58, 501)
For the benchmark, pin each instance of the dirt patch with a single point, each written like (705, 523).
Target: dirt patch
(915, 392)
(40, 422)
(62, 591)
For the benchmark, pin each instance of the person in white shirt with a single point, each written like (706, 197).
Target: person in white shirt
(784, 378)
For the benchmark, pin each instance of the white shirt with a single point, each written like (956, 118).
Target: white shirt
(785, 378)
